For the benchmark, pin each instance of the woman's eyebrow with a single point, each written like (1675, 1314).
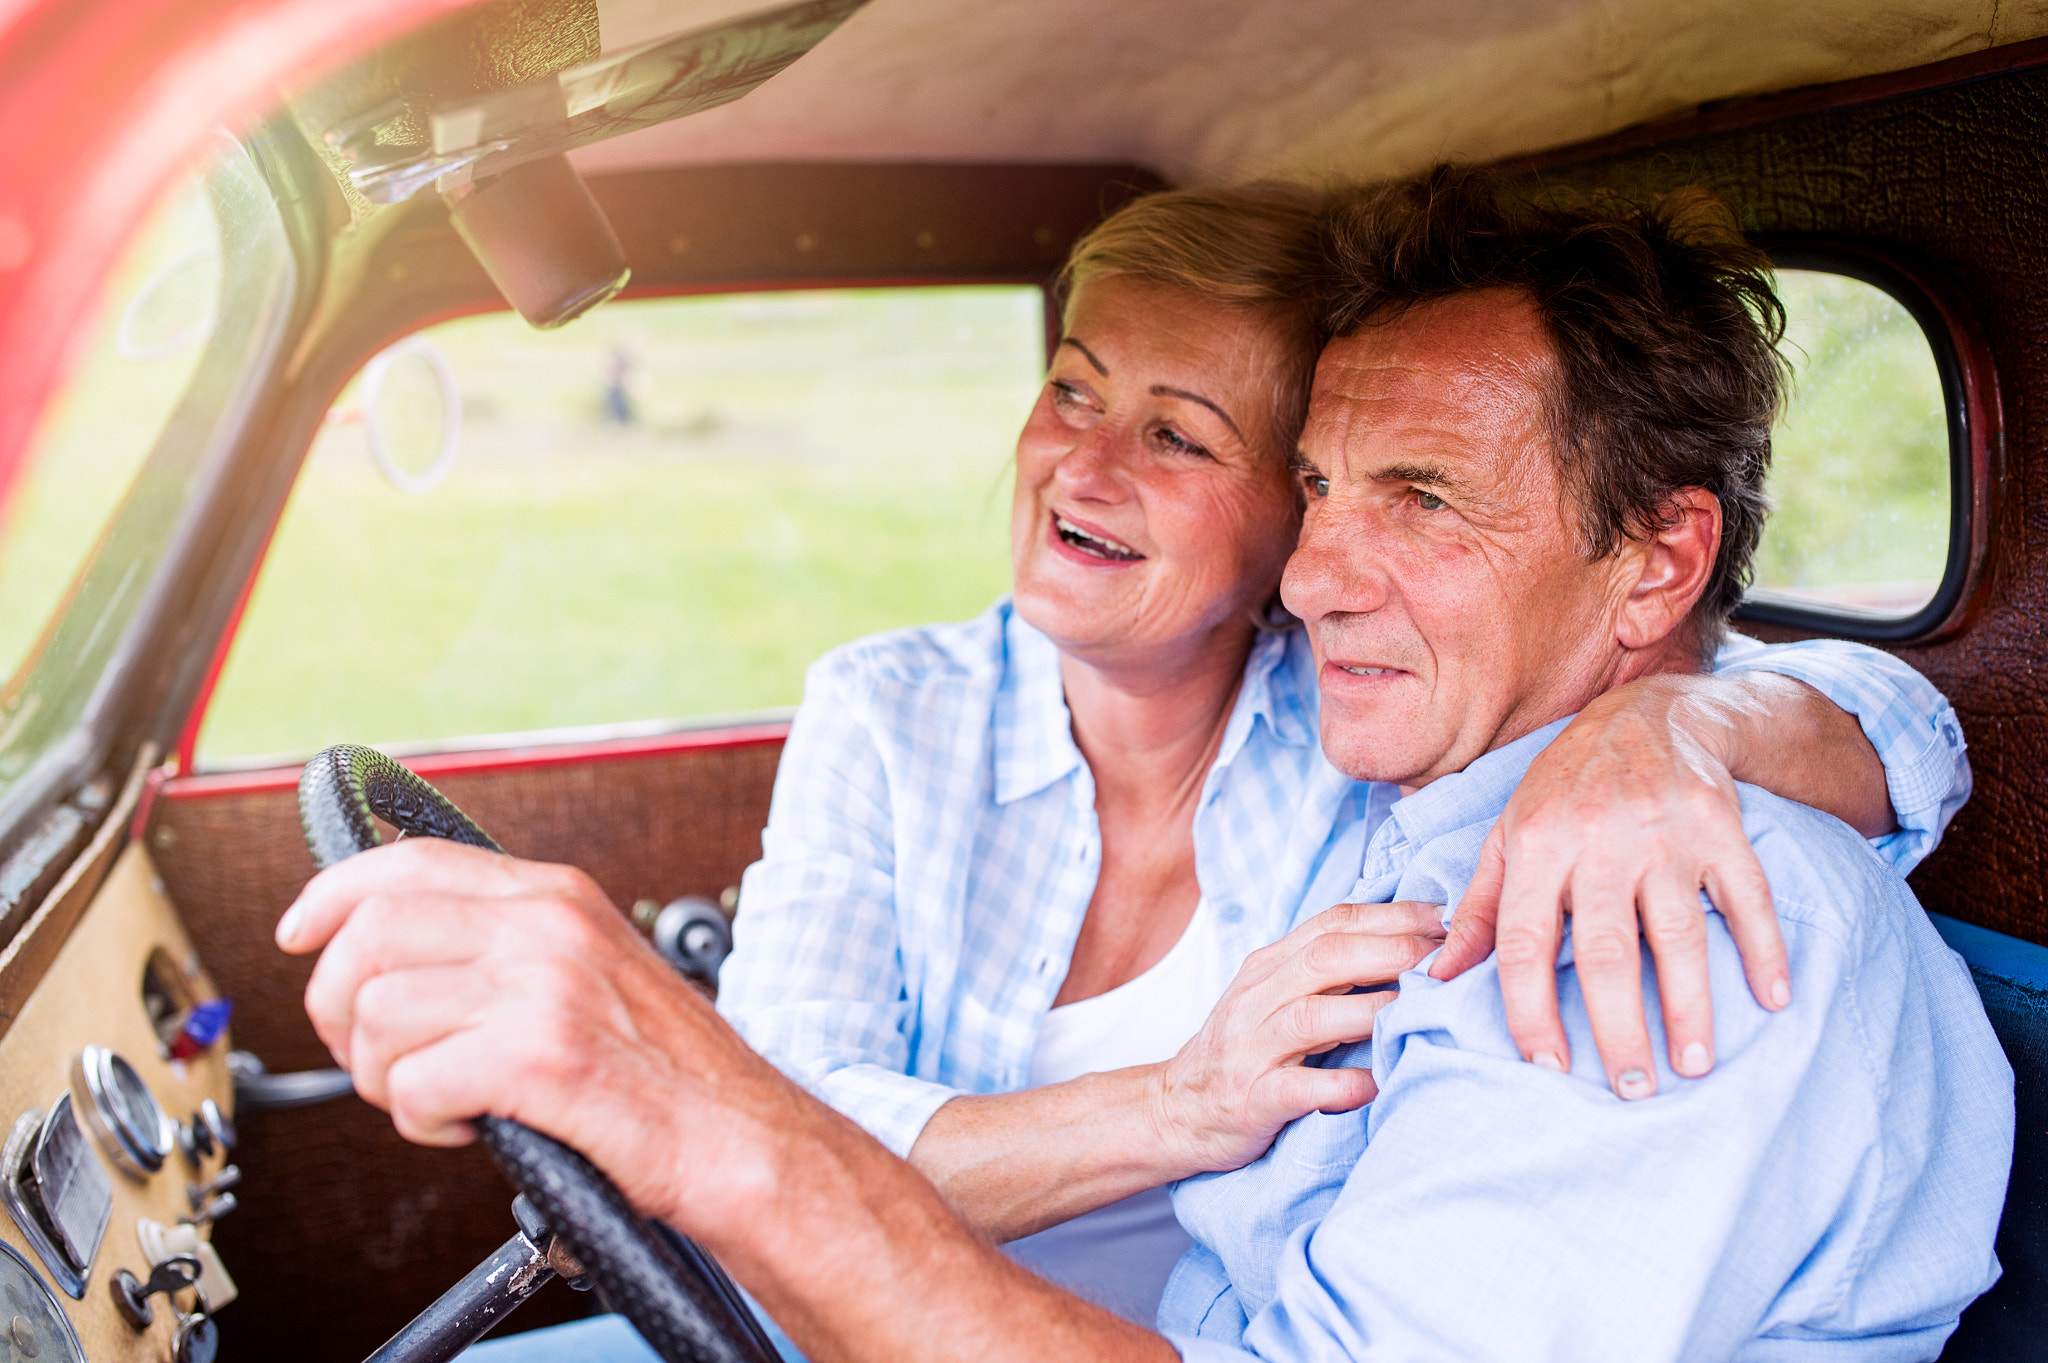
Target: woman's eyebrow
(1100, 367)
(1160, 390)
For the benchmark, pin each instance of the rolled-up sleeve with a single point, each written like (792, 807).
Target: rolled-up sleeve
(1910, 723)
(815, 981)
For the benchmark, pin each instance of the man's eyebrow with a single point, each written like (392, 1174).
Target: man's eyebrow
(1299, 462)
(1160, 390)
(1427, 475)
(1100, 367)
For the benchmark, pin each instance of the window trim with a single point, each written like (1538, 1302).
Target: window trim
(1969, 385)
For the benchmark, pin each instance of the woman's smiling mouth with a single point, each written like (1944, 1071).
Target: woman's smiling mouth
(1093, 544)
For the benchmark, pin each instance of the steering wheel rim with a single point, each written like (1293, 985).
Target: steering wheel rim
(673, 1292)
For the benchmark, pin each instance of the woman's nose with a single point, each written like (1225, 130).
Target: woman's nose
(1093, 466)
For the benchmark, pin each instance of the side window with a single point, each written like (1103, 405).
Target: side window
(663, 512)
(1863, 480)
(154, 321)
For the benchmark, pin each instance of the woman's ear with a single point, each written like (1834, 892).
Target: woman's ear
(1674, 565)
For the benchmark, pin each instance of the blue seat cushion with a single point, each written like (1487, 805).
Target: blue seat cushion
(2011, 1320)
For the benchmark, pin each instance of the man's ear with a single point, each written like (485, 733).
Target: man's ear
(1674, 565)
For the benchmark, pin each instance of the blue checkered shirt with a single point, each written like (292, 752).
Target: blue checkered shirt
(932, 847)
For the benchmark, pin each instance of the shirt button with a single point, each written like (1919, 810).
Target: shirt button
(1044, 964)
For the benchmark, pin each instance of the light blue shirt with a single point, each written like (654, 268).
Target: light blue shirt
(1831, 1190)
(932, 846)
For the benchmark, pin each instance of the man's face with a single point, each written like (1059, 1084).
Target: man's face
(1449, 605)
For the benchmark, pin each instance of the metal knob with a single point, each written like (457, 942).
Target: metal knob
(198, 1193)
(212, 1211)
(693, 936)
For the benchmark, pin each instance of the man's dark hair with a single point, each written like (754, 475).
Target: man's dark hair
(1663, 319)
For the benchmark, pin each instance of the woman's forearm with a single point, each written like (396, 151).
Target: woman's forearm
(1012, 1164)
(1785, 736)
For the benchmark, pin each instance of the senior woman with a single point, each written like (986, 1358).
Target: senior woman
(1013, 865)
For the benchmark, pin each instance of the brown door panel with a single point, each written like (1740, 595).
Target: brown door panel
(345, 1231)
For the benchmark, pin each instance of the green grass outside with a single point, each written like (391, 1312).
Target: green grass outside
(803, 469)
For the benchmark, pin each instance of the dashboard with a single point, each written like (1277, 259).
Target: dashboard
(116, 1103)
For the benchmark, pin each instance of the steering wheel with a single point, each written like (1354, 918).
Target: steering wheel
(673, 1292)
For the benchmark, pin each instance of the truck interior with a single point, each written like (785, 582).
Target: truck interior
(442, 335)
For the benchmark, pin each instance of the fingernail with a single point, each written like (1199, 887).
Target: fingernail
(288, 926)
(1548, 1060)
(1781, 992)
(1694, 1061)
(1633, 1084)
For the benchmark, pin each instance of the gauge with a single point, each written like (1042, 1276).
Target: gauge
(123, 1114)
(32, 1326)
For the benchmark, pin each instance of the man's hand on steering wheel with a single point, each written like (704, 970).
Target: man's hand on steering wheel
(456, 982)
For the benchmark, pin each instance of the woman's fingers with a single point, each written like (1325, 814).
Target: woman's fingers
(1321, 1022)
(1735, 882)
(1608, 962)
(1675, 927)
(1338, 962)
(1525, 954)
(1294, 1093)
(1471, 935)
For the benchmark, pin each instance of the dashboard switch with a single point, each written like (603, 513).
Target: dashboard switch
(202, 1027)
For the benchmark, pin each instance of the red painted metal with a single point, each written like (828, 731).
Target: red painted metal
(105, 103)
(217, 785)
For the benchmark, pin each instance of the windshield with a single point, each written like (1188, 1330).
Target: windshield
(143, 428)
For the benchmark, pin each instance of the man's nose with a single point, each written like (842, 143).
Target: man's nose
(1333, 570)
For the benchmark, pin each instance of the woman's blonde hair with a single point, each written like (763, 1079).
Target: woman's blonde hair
(1248, 247)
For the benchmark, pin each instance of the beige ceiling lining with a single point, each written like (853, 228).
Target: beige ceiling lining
(1221, 90)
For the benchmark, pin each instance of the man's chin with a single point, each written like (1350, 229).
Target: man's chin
(1379, 748)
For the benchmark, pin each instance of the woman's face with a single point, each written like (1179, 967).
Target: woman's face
(1154, 508)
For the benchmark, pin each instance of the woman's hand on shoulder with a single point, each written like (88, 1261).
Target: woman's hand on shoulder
(1620, 822)
(1224, 1097)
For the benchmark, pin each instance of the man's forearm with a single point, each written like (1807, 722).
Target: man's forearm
(859, 1258)
(1793, 741)
(1014, 1163)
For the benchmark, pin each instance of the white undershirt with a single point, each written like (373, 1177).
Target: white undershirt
(1120, 1255)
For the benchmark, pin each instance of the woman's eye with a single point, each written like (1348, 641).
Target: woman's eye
(1180, 444)
(1428, 501)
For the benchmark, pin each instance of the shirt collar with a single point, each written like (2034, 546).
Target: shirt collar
(1279, 685)
(1034, 733)
(1034, 738)
(1475, 795)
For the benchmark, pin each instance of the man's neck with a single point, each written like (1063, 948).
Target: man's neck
(1678, 653)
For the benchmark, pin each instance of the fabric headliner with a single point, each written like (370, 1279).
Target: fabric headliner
(1223, 90)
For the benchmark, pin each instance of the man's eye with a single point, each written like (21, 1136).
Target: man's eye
(1317, 486)
(1428, 501)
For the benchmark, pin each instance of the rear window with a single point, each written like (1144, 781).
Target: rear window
(660, 514)
(1864, 478)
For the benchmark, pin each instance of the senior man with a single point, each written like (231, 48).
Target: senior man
(1534, 466)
